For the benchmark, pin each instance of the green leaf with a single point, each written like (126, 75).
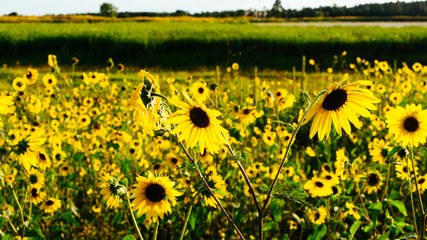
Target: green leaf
(399, 205)
(289, 190)
(39, 231)
(237, 157)
(192, 220)
(7, 237)
(376, 210)
(129, 237)
(78, 157)
(384, 236)
(319, 232)
(354, 228)
(393, 151)
(69, 217)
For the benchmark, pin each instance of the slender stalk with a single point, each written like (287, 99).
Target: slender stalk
(13, 227)
(187, 217)
(423, 222)
(363, 202)
(156, 230)
(20, 211)
(386, 184)
(205, 183)
(251, 189)
(131, 213)
(294, 133)
(412, 198)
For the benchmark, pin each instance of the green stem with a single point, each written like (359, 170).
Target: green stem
(20, 211)
(386, 184)
(205, 183)
(187, 217)
(412, 198)
(131, 213)
(156, 230)
(423, 222)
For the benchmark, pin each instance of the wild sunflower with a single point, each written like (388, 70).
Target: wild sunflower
(153, 196)
(218, 187)
(352, 210)
(317, 217)
(248, 115)
(402, 169)
(49, 80)
(51, 60)
(199, 91)
(173, 160)
(19, 84)
(409, 125)
(36, 178)
(318, 187)
(51, 205)
(6, 105)
(197, 124)
(31, 76)
(36, 195)
(340, 105)
(422, 183)
(25, 151)
(269, 138)
(111, 190)
(379, 151)
(373, 181)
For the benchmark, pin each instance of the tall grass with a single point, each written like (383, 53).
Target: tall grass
(184, 44)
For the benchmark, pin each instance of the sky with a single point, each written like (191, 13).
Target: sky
(43, 7)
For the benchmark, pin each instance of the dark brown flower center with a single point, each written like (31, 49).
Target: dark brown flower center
(157, 166)
(316, 215)
(411, 124)
(246, 111)
(327, 168)
(34, 192)
(174, 160)
(201, 90)
(33, 179)
(373, 179)
(319, 184)
(421, 181)
(42, 156)
(199, 117)
(329, 177)
(29, 74)
(155, 192)
(334, 100)
(49, 202)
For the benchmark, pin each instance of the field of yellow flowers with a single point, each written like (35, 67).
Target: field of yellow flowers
(123, 154)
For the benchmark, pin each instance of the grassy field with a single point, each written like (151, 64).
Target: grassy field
(185, 45)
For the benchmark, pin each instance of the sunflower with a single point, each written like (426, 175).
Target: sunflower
(200, 91)
(330, 178)
(51, 205)
(111, 190)
(19, 84)
(218, 187)
(36, 196)
(318, 187)
(25, 151)
(31, 76)
(402, 169)
(422, 184)
(317, 217)
(51, 60)
(409, 125)
(248, 115)
(6, 105)
(49, 80)
(153, 196)
(352, 210)
(373, 181)
(36, 178)
(269, 138)
(379, 151)
(173, 160)
(197, 124)
(340, 105)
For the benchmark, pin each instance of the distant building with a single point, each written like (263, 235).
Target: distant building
(256, 13)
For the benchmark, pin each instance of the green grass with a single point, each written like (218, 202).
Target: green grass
(191, 45)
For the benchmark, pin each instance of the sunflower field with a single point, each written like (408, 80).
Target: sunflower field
(129, 154)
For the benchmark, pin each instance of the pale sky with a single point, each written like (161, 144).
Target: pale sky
(42, 7)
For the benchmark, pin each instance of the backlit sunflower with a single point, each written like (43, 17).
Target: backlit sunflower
(422, 183)
(218, 187)
(153, 196)
(25, 151)
(409, 126)
(379, 151)
(339, 105)
(173, 160)
(318, 187)
(49, 80)
(197, 124)
(31, 76)
(248, 115)
(51, 205)
(36, 196)
(111, 190)
(19, 84)
(6, 105)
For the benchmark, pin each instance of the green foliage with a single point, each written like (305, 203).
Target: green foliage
(108, 10)
(129, 237)
(289, 190)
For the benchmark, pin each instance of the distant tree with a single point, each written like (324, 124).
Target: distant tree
(277, 10)
(13, 14)
(108, 10)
